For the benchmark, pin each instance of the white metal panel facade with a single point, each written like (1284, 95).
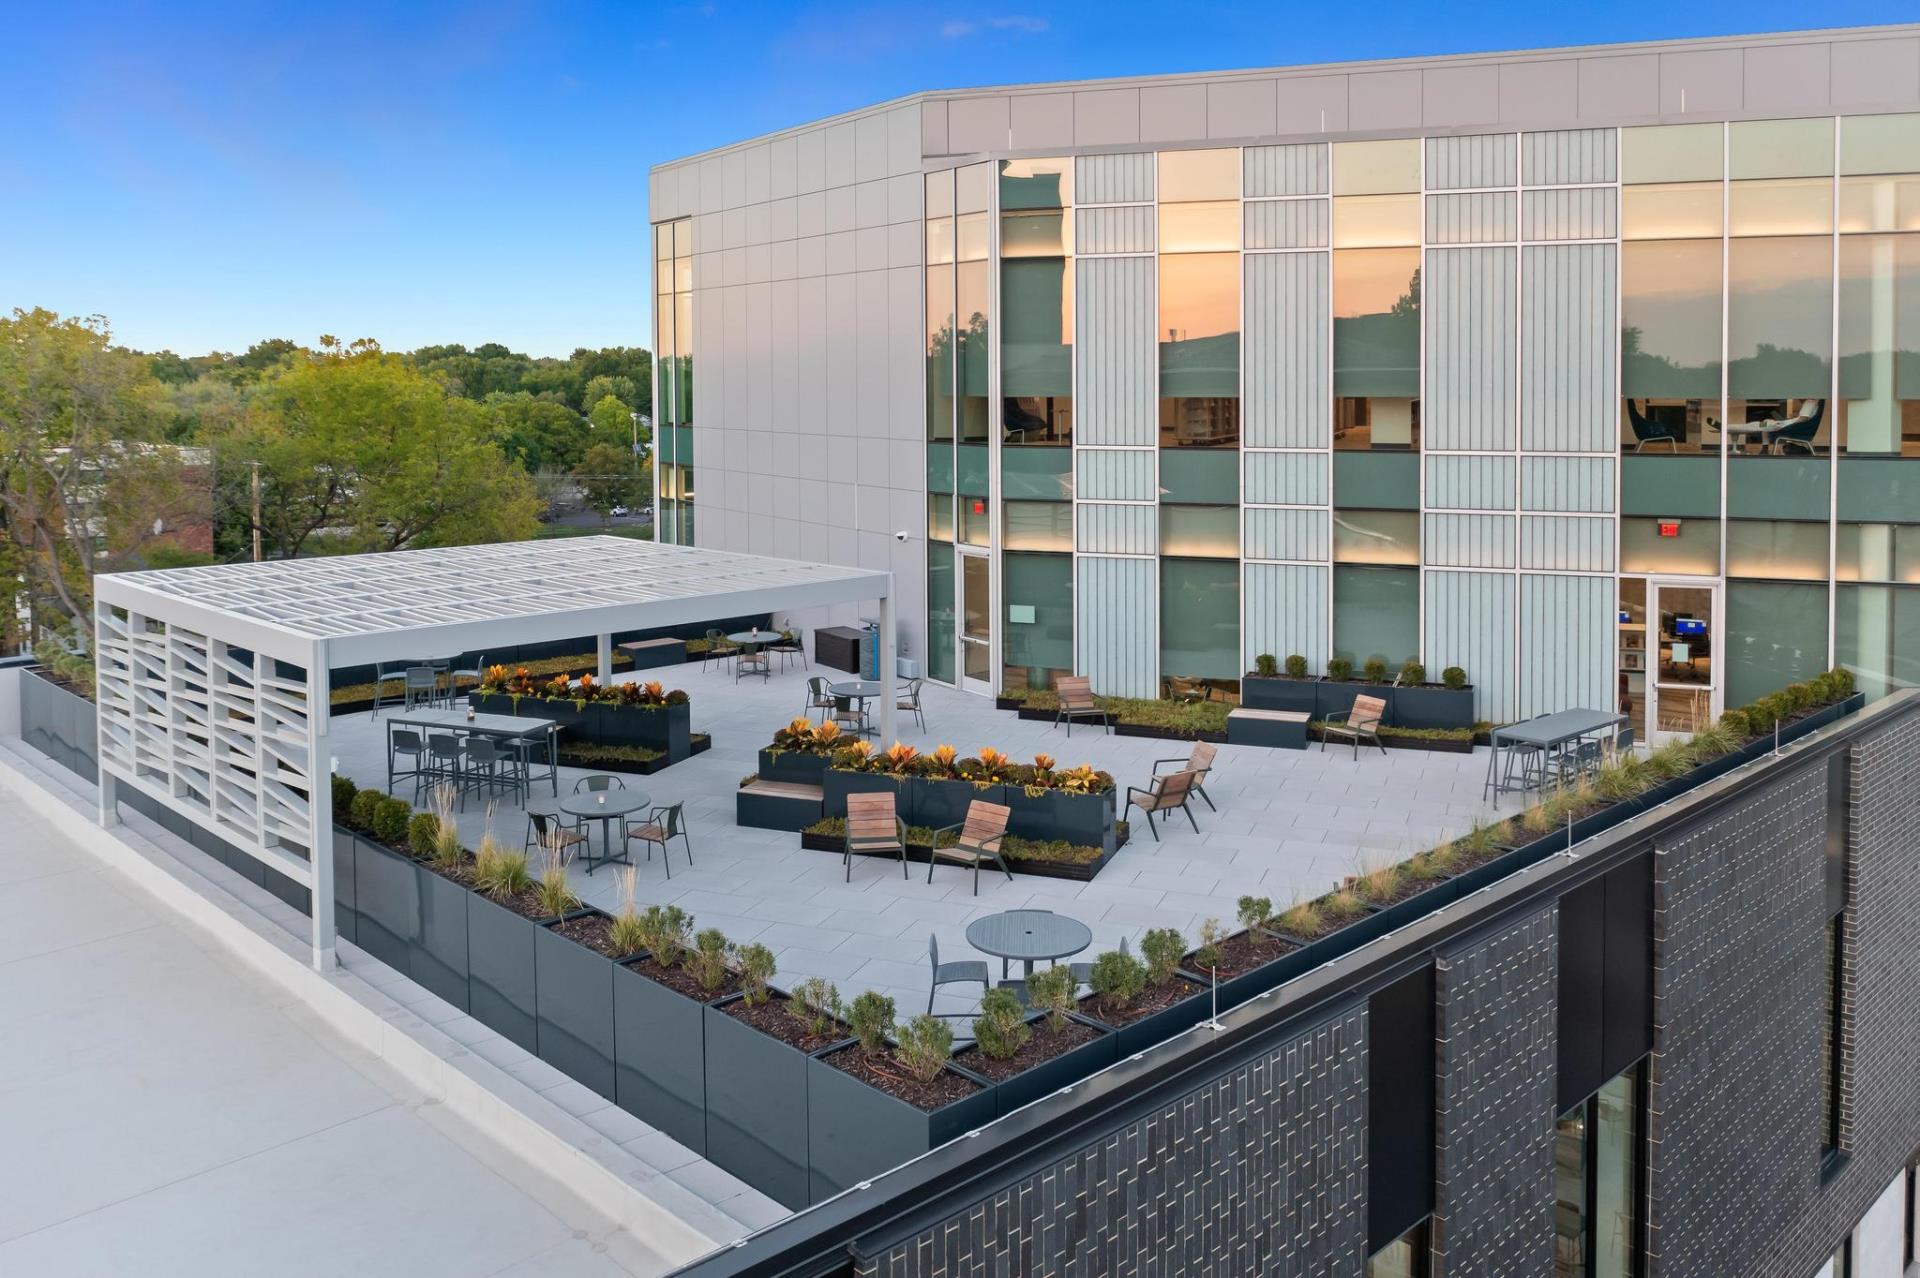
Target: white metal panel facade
(1470, 624)
(1287, 610)
(1116, 604)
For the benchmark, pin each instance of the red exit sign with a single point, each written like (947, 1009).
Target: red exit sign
(1669, 528)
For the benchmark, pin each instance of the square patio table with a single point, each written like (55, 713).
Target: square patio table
(1550, 732)
(521, 731)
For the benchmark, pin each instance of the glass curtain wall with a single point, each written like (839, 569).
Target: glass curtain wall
(673, 379)
(940, 366)
(1200, 283)
(1376, 295)
(1597, 1168)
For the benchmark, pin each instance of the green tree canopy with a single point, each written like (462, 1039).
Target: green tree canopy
(607, 478)
(540, 434)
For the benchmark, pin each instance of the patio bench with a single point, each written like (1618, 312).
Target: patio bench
(778, 805)
(648, 653)
(1280, 729)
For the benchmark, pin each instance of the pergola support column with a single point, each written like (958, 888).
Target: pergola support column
(885, 639)
(320, 809)
(604, 646)
(109, 798)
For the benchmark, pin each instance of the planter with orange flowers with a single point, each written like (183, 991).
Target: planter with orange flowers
(800, 752)
(620, 714)
(1047, 804)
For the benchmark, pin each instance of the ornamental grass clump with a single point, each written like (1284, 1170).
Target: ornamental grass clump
(1050, 990)
(926, 1043)
(1620, 779)
(627, 934)
(498, 872)
(446, 851)
(1302, 919)
(555, 895)
(1378, 882)
(1342, 906)
(1001, 1028)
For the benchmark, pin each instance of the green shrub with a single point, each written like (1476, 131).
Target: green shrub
(816, 1004)
(707, 960)
(871, 1020)
(1050, 990)
(390, 818)
(360, 811)
(1296, 666)
(1255, 911)
(1119, 976)
(665, 932)
(1339, 670)
(423, 832)
(344, 791)
(1454, 677)
(926, 1042)
(1736, 722)
(1375, 671)
(1162, 948)
(1001, 1028)
(1207, 954)
(1265, 666)
(1842, 682)
(1413, 674)
(756, 964)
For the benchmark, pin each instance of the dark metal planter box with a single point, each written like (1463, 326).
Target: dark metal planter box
(1063, 1070)
(937, 804)
(386, 891)
(1259, 692)
(1432, 706)
(1256, 729)
(1160, 1026)
(1251, 983)
(437, 958)
(836, 785)
(1167, 734)
(855, 1132)
(1085, 820)
(1332, 698)
(659, 1057)
(664, 728)
(756, 1106)
(574, 1007)
(502, 984)
(796, 766)
(346, 916)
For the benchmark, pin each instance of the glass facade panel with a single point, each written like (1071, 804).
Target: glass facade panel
(1038, 525)
(1674, 212)
(1200, 532)
(976, 521)
(940, 516)
(1780, 148)
(1693, 550)
(1035, 235)
(1671, 153)
(1376, 168)
(1880, 344)
(1670, 308)
(1036, 184)
(1037, 642)
(970, 285)
(1776, 635)
(1376, 221)
(1880, 203)
(1778, 551)
(1376, 613)
(1879, 144)
(1376, 537)
(1876, 634)
(1200, 228)
(1376, 348)
(1200, 175)
(940, 619)
(972, 185)
(1789, 206)
(673, 380)
(1779, 325)
(1199, 619)
(1404, 1257)
(1878, 552)
(1596, 1177)
(1200, 350)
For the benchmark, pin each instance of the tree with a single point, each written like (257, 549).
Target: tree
(607, 478)
(538, 433)
(87, 484)
(359, 450)
(613, 424)
(598, 388)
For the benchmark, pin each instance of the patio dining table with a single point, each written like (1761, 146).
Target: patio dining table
(604, 806)
(1550, 733)
(521, 732)
(861, 690)
(1028, 935)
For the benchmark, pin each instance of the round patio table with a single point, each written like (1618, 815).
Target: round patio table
(860, 690)
(753, 641)
(603, 806)
(1028, 935)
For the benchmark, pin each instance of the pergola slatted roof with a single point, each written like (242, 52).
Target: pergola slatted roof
(196, 709)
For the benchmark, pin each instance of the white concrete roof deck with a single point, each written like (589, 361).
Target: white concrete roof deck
(464, 598)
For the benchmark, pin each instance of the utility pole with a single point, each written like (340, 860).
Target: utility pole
(256, 510)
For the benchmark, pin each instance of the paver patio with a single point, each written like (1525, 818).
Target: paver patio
(1290, 824)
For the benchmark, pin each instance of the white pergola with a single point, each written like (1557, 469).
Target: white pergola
(213, 688)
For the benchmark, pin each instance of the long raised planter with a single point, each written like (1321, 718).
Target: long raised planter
(659, 1055)
(346, 915)
(1430, 705)
(800, 767)
(857, 1131)
(836, 785)
(386, 892)
(573, 1007)
(1261, 692)
(437, 957)
(937, 804)
(1336, 698)
(1063, 1070)
(503, 984)
(756, 1098)
(1161, 1025)
(666, 728)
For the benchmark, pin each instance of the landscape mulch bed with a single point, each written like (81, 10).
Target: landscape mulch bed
(1045, 1044)
(1154, 998)
(776, 1019)
(461, 873)
(1245, 952)
(595, 931)
(681, 981)
(881, 1070)
(526, 904)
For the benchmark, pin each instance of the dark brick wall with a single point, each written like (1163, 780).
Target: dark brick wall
(1494, 1082)
(1262, 1172)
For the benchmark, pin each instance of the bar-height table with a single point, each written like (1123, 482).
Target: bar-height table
(521, 731)
(1549, 733)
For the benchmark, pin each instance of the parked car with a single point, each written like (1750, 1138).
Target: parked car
(620, 512)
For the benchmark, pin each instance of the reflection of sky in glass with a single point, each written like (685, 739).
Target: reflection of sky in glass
(1199, 295)
(1670, 300)
(1371, 281)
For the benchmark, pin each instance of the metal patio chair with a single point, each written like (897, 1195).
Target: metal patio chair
(874, 825)
(958, 972)
(1200, 763)
(1078, 702)
(1169, 792)
(980, 837)
(664, 824)
(1358, 725)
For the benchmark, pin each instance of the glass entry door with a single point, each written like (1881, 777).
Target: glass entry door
(976, 623)
(1683, 659)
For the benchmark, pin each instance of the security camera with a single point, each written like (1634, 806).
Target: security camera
(900, 535)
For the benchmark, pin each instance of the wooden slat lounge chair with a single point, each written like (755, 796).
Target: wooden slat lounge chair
(1200, 763)
(1170, 792)
(980, 837)
(874, 826)
(1361, 724)
(1077, 702)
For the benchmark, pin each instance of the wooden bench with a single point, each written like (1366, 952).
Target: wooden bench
(648, 653)
(1280, 729)
(778, 805)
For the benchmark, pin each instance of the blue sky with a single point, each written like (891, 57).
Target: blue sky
(206, 176)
